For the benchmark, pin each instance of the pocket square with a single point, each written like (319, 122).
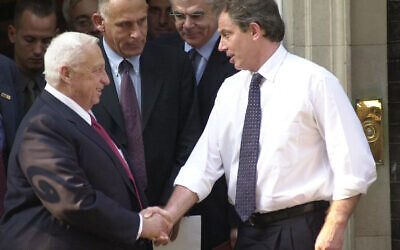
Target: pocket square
(4, 95)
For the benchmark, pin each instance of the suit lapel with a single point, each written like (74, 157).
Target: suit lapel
(40, 81)
(109, 94)
(151, 74)
(88, 132)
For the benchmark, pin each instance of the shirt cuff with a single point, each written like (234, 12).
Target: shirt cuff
(351, 186)
(198, 186)
(140, 226)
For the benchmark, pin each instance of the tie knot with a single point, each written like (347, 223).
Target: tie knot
(30, 84)
(256, 78)
(125, 66)
(192, 54)
(94, 122)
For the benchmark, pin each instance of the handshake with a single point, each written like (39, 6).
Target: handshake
(158, 225)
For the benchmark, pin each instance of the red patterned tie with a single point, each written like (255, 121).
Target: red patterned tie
(131, 113)
(110, 143)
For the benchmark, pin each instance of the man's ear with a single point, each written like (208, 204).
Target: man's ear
(12, 33)
(65, 74)
(256, 30)
(98, 22)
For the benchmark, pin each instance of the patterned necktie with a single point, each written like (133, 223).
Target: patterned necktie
(245, 203)
(131, 113)
(103, 133)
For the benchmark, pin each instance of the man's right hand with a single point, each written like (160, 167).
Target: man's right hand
(157, 225)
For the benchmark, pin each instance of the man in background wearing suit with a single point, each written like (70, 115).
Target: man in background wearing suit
(197, 34)
(69, 186)
(78, 16)
(161, 94)
(35, 24)
(2, 168)
(159, 19)
(9, 116)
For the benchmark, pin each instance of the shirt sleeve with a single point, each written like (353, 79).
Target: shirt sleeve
(348, 151)
(140, 226)
(204, 165)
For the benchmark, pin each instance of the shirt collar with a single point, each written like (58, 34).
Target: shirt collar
(116, 59)
(70, 103)
(270, 68)
(205, 50)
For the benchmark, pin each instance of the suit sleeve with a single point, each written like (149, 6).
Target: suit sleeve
(49, 159)
(189, 129)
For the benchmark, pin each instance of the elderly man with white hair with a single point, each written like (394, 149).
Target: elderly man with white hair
(69, 184)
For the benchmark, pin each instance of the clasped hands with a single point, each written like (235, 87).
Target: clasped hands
(158, 225)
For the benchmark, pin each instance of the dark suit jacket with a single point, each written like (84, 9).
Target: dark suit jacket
(2, 171)
(217, 70)
(170, 116)
(66, 187)
(217, 215)
(9, 107)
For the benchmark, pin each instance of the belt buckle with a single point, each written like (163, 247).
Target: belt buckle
(252, 221)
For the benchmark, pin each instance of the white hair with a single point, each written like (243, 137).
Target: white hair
(66, 49)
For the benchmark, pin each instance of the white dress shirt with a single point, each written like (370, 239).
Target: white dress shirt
(312, 145)
(85, 116)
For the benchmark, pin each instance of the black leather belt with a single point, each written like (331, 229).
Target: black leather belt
(262, 220)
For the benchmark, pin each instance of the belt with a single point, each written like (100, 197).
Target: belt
(262, 220)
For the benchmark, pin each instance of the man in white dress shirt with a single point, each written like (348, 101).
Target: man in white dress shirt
(311, 145)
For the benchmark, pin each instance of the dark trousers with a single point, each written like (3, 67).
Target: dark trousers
(296, 233)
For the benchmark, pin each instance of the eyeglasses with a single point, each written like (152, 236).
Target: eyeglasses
(194, 17)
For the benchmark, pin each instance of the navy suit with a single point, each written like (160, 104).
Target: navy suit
(217, 214)
(2, 170)
(170, 116)
(9, 104)
(66, 187)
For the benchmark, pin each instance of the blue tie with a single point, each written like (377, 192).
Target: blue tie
(245, 203)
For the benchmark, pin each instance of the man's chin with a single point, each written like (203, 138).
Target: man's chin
(133, 51)
(36, 69)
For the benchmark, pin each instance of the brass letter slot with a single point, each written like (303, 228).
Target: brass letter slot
(370, 114)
